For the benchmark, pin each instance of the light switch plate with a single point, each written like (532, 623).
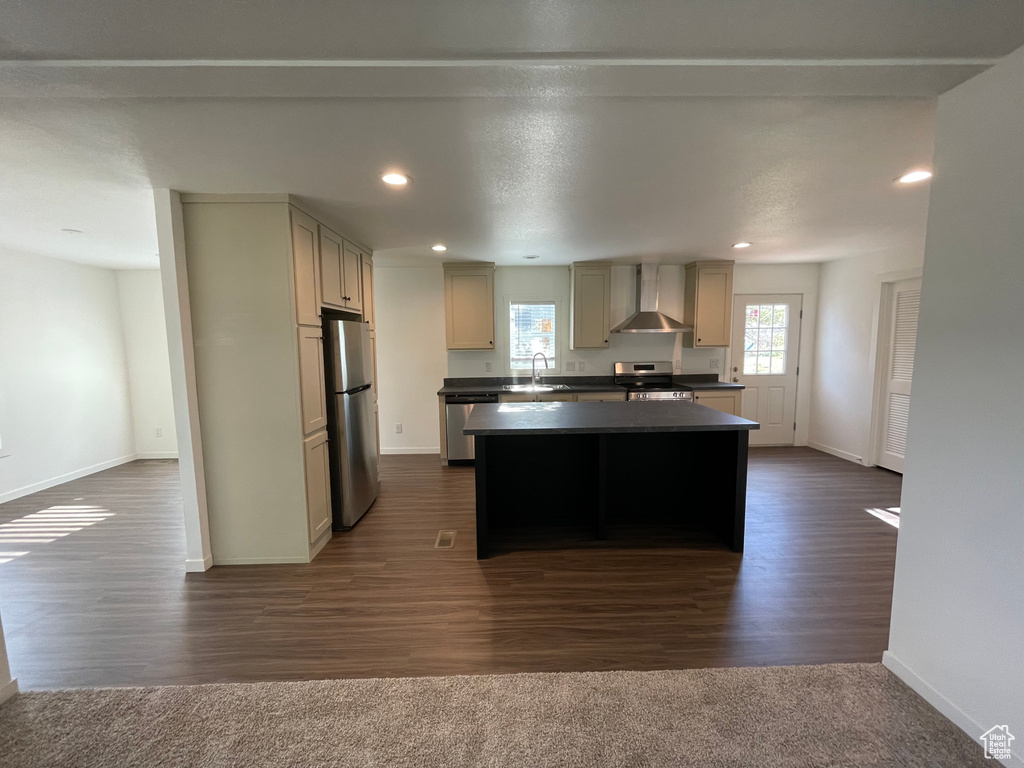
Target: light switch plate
(570, 365)
(488, 367)
(582, 366)
(398, 429)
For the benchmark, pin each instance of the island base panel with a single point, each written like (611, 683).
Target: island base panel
(598, 484)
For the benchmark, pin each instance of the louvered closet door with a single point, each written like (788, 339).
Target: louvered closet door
(906, 301)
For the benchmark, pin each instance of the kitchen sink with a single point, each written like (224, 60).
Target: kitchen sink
(534, 387)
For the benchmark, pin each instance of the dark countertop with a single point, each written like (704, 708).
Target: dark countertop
(494, 385)
(599, 418)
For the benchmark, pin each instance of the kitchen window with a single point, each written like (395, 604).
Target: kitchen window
(531, 327)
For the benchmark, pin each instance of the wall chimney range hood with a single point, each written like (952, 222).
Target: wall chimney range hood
(647, 318)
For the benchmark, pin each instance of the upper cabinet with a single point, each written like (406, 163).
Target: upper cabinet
(306, 258)
(352, 264)
(469, 305)
(332, 274)
(590, 305)
(708, 307)
(341, 272)
(368, 292)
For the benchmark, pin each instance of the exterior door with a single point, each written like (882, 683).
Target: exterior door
(900, 337)
(765, 349)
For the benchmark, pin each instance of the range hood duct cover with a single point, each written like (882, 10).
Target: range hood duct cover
(647, 318)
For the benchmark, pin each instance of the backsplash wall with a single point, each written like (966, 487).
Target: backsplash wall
(553, 284)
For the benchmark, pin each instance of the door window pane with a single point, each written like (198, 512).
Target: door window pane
(765, 339)
(531, 330)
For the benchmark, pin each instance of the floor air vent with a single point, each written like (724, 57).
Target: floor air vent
(445, 540)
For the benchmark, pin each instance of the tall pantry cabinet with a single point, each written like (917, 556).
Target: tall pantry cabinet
(257, 283)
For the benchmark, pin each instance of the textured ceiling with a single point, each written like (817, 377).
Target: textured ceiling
(460, 29)
(689, 145)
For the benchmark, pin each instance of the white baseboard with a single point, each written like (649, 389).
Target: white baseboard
(409, 451)
(260, 560)
(195, 565)
(835, 452)
(17, 493)
(9, 690)
(948, 709)
(157, 455)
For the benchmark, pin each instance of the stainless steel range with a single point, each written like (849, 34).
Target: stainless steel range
(649, 381)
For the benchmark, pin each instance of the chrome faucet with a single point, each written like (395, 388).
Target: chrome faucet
(533, 365)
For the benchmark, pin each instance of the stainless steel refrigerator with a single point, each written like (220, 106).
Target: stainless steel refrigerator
(352, 424)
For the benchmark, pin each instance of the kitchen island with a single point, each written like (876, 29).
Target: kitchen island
(562, 466)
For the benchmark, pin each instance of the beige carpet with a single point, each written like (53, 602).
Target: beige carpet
(834, 715)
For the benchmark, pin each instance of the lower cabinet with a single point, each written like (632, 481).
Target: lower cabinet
(600, 397)
(517, 397)
(556, 397)
(318, 485)
(537, 397)
(725, 400)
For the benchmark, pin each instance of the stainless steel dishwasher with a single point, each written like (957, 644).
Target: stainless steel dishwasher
(457, 409)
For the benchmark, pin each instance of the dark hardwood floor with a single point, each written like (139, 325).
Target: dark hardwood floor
(110, 604)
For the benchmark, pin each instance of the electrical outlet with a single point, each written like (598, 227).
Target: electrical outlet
(570, 365)
(158, 432)
(714, 363)
(582, 366)
(398, 429)
(488, 367)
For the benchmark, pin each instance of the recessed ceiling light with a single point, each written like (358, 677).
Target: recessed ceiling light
(69, 231)
(394, 179)
(741, 245)
(439, 248)
(532, 256)
(912, 177)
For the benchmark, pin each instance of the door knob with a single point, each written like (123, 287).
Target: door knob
(734, 369)
(734, 379)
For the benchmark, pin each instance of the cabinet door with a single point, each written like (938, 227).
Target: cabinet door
(469, 308)
(726, 401)
(373, 356)
(311, 380)
(306, 264)
(318, 485)
(591, 307)
(368, 292)
(352, 266)
(713, 316)
(332, 277)
(601, 397)
(556, 397)
(517, 397)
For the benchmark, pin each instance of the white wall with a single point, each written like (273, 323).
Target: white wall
(843, 382)
(409, 315)
(553, 284)
(789, 278)
(65, 409)
(149, 371)
(957, 630)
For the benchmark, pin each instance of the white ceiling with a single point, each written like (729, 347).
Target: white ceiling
(671, 141)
